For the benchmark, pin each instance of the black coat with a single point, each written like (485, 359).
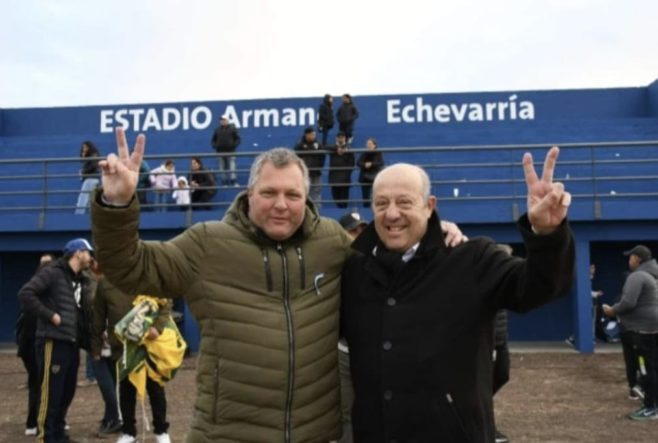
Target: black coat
(420, 334)
(340, 167)
(205, 179)
(225, 138)
(367, 175)
(53, 290)
(325, 117)
(346, 115)
(312, 154)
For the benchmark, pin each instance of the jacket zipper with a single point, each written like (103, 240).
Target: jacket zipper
(451, 404)
(302, 271)
(214, 411)
(268, 269)
(291, 344)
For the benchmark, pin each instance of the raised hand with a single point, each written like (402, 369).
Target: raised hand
(548, 202)
(120, 173)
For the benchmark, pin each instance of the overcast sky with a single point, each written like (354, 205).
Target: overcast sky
(67, 53)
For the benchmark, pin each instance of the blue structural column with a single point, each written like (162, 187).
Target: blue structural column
(584, 334)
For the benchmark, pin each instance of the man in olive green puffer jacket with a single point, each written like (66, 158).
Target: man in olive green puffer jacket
(264, 286)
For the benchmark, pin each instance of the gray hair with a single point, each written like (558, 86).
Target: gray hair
(280, 158)
(425, 183)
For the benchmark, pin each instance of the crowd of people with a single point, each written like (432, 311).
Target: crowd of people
(196, 190)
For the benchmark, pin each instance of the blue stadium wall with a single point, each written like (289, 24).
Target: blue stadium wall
(422, 120)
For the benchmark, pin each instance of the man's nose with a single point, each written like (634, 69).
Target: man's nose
(392, 212)
(280, 202)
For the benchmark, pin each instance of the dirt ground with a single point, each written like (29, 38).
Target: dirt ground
(552, 397)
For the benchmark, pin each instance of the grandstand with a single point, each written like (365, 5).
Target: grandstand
(471, 144)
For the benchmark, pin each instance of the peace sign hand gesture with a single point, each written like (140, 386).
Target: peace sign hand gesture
(120, 174)
(548, 202)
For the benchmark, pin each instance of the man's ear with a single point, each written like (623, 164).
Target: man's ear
(431, 203)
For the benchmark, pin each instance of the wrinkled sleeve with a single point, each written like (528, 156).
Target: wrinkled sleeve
(162, 269)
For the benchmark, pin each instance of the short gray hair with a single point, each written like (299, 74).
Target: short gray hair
(280, 158)
(425, 182)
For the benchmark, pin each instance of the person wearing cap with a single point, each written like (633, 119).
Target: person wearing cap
(353, 224)
(225, 141)
(341, 164)
(637, 311)
(310, 150)
(418, 316)
(264, 286)
(58, 295)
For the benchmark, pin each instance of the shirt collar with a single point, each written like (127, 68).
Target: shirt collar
(408, 255)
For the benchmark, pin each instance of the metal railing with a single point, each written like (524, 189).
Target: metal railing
(590, 171)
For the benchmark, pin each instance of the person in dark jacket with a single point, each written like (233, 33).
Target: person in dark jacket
(418, 316)
(110, 306)
(638, 312)
(341, 164)
(26, 328)
(501, 363)
(203, 185)
(225, 140)
(369, 163)
(143, 184)
(58, 296)
(310, 150)
(346, 116)
(89, 174)
(326, 117)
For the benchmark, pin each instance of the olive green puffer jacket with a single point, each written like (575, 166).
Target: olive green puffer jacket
(267, 311)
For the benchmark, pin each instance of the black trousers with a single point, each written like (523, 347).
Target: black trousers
(647, 349)
(128, 398)
(340, 194)
(29, 359)
(366, 188)
(58, 362)
(630, 357)
(501, 368)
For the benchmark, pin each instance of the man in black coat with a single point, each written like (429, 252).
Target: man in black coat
(341, 165)
(58, 296)
(418, 316)
(311, 151)
(225, 140)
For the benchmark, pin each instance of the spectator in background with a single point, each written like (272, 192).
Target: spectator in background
(101, 354)
(326, 117)
(89, 175)
(341, 164)
(637, 310)
(501, 363)
(346, 116)
(598, 329)
(225, 140)
(56, 295)
(26, 327)
(309, 149)
(182, 194)
(163, 180)
(370, 163)
(204, 186)
(143, 184)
